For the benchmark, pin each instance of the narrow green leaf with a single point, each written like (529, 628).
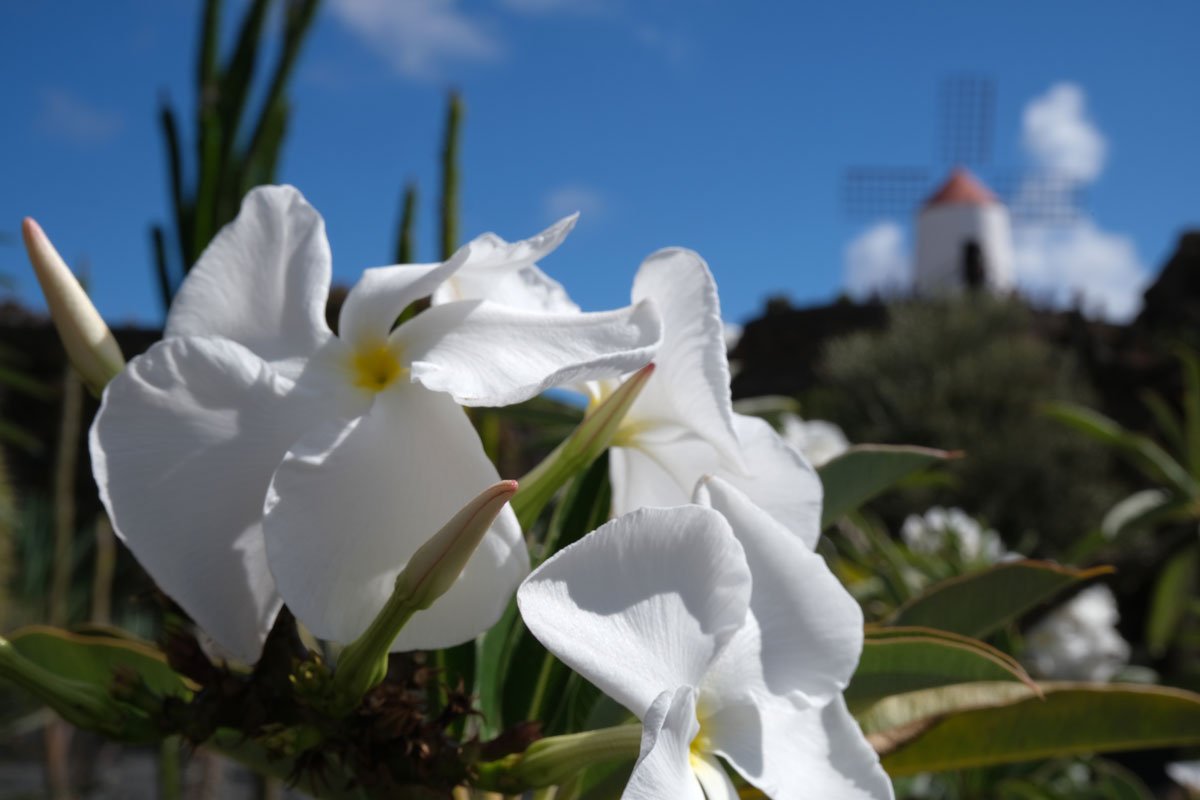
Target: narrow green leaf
(450, 176)
(585, 506)
(979, 603)
(1143, 453)
(239, 72)
(206, 62)
(179, 206)
(406, 246)
(1173, 592)
(900, 660)
(1166, 419)
(1070, 720)
(866, 470)
(493, 656)
(267, 134)
(162, 267)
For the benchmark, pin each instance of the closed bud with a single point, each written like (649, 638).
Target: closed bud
(90, 345)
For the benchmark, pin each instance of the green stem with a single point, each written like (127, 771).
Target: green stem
(556, 759)
(363, 664)
(170, 770)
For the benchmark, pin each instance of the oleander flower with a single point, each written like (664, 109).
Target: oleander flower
(252, 457)
(682, 426)
(1079, 640)
(726, 635)
(951, 531)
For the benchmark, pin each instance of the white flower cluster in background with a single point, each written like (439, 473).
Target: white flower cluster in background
(940, 531)
(1078, 641)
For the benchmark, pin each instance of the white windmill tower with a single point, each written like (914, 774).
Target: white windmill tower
(964, 240)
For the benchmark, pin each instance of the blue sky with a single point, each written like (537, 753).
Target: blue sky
(721, 126)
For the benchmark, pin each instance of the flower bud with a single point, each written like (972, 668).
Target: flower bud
(89, 343)
(436, 565)
(429, 574)
(581, 448)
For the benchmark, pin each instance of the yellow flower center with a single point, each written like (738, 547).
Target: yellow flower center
(375, 368)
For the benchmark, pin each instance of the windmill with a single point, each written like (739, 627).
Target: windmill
(964, 238)
(966, 137)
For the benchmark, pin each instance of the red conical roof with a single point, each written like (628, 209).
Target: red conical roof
(962, 188)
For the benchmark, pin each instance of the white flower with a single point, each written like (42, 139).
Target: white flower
(818, 440)
(1187, 775)
(253, 456)
(940, 530)
(507, 273)
(722, 646)
(1078, 641)
(682, 426)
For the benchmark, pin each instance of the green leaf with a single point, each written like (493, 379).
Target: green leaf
(1169, 426)
(900, 660)
(1013, 725)
(866, 470)
(493, 654)
(979, 603)
(1173, 592)
(1142, 452)
(95, 659)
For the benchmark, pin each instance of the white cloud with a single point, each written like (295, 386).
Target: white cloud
(1060, 137)
(66, 116)
(1080, 263)
(1076, 262)
(418, 37)
(568, 199)
(877, 261)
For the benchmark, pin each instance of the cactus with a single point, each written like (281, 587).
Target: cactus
(450, 177)
(406, 245)
(234, 152)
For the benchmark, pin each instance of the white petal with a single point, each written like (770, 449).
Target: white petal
(658, 470)
(528, 289)
(794, 754)
(375, 302)
(663, 768)
(778, 478)
(642, 603)
(811, 628)
(484, 354)
(713, 778)
(183, 449)
(691, 384)
(263, 281)
(507, 272)
(351, 503)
